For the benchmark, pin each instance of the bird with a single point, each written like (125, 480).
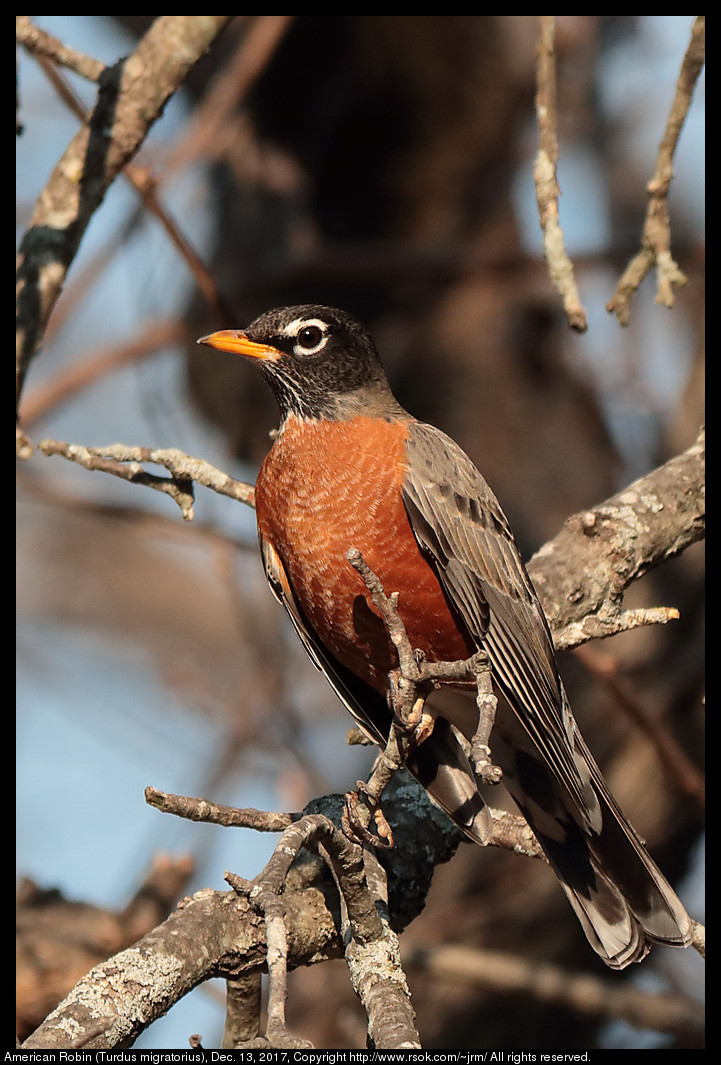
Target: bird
(351, 470)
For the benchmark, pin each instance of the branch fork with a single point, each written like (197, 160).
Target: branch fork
(371, 947)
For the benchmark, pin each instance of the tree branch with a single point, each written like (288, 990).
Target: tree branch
(212, 934)
(581, 574)
(656, 235)
(126, 463)
(131, 96)
(40, 43)
(560, 266)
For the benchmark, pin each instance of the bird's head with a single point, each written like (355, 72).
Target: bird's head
(319, 361)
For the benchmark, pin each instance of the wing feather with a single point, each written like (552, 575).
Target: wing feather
(458, 521)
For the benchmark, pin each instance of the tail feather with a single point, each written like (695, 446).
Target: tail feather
(621, 898)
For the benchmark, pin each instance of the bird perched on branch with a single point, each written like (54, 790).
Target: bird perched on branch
(351, 469)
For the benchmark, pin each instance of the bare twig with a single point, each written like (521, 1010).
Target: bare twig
(265, 897)
(221, 102)
(40, 43)
(131, 97)
(145, 183)
(217, 814)
(115, 460)
(546, 181)
(656, 235)
(601, 625)
(580, 575)
(372, 951)
(512, 832)
(126, 463)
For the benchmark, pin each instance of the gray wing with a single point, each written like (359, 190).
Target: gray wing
(459, 523)
(620, 896)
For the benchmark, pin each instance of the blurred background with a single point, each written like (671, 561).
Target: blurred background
(382, 164)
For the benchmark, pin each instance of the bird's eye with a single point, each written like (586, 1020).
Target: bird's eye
(310, 337)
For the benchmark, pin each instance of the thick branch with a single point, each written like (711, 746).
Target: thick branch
(131, 97)
(213, 934)
(582, 573)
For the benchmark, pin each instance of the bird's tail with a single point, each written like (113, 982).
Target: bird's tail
(621, 897)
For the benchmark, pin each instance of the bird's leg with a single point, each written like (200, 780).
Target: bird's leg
(487, 704)
(407, 698)
(477, 669)
(410, 726)
(356, 817)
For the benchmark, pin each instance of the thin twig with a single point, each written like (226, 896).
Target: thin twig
(215, 813)
(511, 832)
(546, 181)
(600, 626)
(265, 896)
(656, 235)
(227, 93)
(145, 183)
(40, 43)
(126, 462)
(370, 948)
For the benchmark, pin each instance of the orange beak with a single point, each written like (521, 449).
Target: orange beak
(238, 343)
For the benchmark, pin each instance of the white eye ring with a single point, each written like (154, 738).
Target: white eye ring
(312, 327)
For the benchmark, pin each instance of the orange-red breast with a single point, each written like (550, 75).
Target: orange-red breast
(350, 468)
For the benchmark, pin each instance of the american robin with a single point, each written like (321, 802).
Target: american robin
(350, 468)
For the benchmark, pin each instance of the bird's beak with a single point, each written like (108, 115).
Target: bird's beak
(239, 343)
